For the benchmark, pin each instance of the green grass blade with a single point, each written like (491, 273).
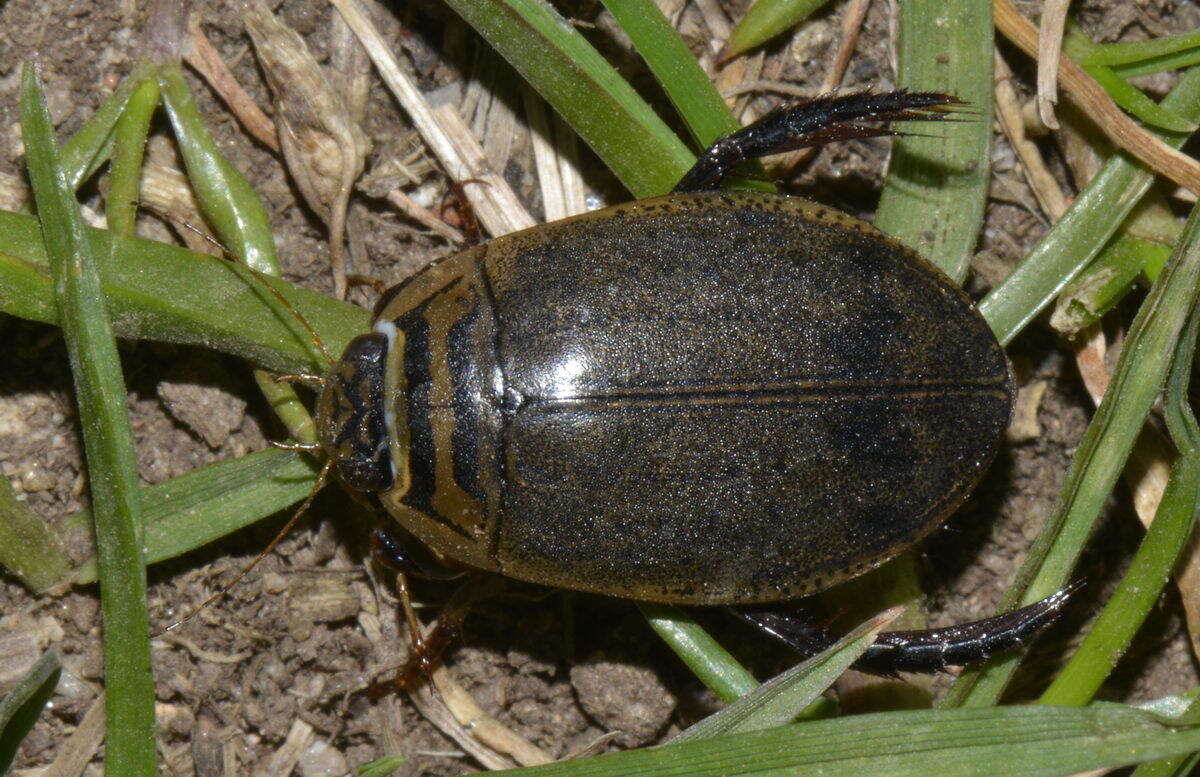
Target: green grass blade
(1011, 741)
(1105, 282)
(937, 181)
(384, 767)
(192, 510)
(169, 294)
(1078, 237)
(1134, 58)
(108, 443)
(1137, 593)
(88, 149)
(686, 84)
(129, 146)
(226, 198)
(21, 706)
(677, 71)
(1178, 765)
(1135, 52)
(781, 699)
(1131, 99)
(572, 76)
(1165, 539)
(1136, 382)
(27, 547)
(710, 662)
(1183, 59)
(230, 204)
(765, 20)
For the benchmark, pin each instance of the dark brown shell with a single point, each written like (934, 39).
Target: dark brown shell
(699, 399)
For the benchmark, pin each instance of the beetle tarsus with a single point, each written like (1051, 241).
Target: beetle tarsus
(814, 123)
(427, 644)
(925, 651)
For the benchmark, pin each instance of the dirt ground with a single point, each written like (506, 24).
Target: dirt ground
(285, 656)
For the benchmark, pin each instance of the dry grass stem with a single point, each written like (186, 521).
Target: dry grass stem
(284, 761)
(717, 22)
(1045, 188)
(1050, 36)
(558, 178)
(322, 143)
(422, 215)
(206, 61)
(482, 726)
(436, 712)
(567, 144)
(80, 748)
(496, 205)
(1091, 97)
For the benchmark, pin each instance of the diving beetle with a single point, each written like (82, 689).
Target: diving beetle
(704, 398)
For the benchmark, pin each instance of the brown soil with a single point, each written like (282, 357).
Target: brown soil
(288, 648)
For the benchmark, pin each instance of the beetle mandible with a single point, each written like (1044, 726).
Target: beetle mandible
(704, 398)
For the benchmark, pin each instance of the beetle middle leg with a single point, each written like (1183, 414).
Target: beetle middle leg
(925, 651)
(813, 123)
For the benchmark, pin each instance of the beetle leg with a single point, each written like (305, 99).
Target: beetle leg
(930, 650)
(409, 558)
(413, 559)
(428, 647)
(813, 123)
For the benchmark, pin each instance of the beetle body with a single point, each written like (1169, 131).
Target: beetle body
(711, 398)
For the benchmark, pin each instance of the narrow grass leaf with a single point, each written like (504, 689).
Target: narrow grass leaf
(384, 767)
(89, 148)
(686, 84)
(1105, 282)
(937, 181)
(28, 549)
(1030, 741)
(129, 146)
(1126, 610)
(230, 204)
(1136, 383)
(169, 294)
(710, 662)
(192, 510)
(108, 444)
(21, 706)
(1131, 99)
(226, 198)
(1135, 52)
(1138, 592)
(765, 20)
(1178, 765)
(595, 100)
(1078, 237)
(781, 699)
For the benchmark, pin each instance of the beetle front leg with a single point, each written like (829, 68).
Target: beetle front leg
(813, 123)
(412, 558)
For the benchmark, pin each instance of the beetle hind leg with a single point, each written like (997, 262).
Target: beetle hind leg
(926, 651)
(814, 123)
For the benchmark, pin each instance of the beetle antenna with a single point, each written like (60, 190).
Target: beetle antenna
(322, 476)
(317, 342)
